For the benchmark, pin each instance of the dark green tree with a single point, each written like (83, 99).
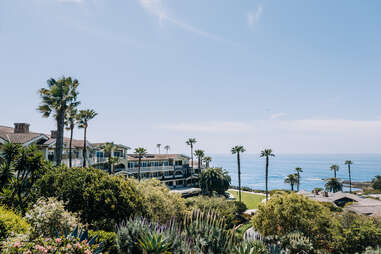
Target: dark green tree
(349, 163)
(266, 154)
(214, 179)
(334, 168)
(298, 171)
(333, 185)
(190, 142)
(140, 152)
(83, 119)
(238, 150)
(199, 154)
(291, 179)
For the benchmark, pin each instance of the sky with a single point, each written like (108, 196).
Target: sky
(294, 76)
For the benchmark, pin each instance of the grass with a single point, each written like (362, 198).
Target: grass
(251, 200)
(242, 229)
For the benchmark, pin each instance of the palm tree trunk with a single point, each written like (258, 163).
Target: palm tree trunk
(59, 138)
(70, 146)
(298, 182)
(267, 177)
(292, 187)
(139, 177)
(350, 179)
(84, 148)
(334, 172)
(191, 176)
(199, 164)
(239, 176)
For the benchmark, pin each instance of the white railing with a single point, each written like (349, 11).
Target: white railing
(150, 169)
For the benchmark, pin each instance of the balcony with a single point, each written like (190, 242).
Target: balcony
(150, 169)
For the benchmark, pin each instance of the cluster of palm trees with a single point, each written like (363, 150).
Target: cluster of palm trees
(60, 100)
(294, 178)
(166, 148)
(333, 184)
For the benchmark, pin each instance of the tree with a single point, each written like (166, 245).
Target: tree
(190, 142)
(167, 148)
(287, 213)
(238, 150)
(214, 179)
(266, 154)
(333, 185)
(298, 171)
(334, 168)
(349, 163)
(207, 160)
(83, 119)
(108, 149)
(291, 179)
(158, 146)
(55, 100)
(70, 121)
(140, 152)
(9, 155)
(199, 154)
(376, 182)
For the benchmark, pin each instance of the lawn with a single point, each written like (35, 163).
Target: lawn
(251, 200)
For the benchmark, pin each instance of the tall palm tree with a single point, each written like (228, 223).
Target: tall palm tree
(83, 119)
(199, 154)
(190, 142)
(166, 148)
(70, 121)
(334, 168)
(298, 171)
(291, 179)
(207, 160)
(55, 101)
(333, 185)
(140, 152)
(349, 163)
(108, 148)
(238, 150)
(158, 146)
(266, 154)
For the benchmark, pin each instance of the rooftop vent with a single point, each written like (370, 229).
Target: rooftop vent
(21, 128)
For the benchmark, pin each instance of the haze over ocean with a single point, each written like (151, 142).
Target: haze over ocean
(315, 167)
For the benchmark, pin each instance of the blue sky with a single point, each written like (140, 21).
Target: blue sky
(296, 76)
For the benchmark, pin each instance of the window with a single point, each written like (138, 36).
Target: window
(99, 154)
(117, 154)
(166, 163)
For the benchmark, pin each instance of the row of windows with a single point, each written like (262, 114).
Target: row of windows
(148, 164)
(157, 174)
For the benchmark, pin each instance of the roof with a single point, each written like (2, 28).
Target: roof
(332, 197)
(366, 206)
(7, 134)
(148, 157)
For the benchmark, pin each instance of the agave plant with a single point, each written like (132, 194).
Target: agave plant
(246, 247)
(83, 235)
(154, 243)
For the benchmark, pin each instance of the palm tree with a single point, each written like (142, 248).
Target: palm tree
(55, 100)
(292, 179)
(108, 148)
(207, 160)
(158, 146)
(334, 168)
(298, 171)
(333, 185)
(199, 154)
(70, 121)
(9, 155)
(267, 153)
(166, 148)
(140, 152)
(190, 142)
(238, 150)
(349, 163)
(83, 119)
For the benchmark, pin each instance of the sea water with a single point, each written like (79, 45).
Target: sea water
(315, 167)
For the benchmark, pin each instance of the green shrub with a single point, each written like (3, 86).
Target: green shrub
(214, 180)
(101, 200)
(11, 224)
(332, 207)
(296, 243)
(376, 183)
(161, 205)
(229, 210)
(48, 217)
(108, 240)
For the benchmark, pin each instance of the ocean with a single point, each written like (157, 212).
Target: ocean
(316, 168)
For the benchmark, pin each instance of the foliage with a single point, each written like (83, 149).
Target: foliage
(246, 247)
(296, 243)
(29, 165)
(107, 239)
(11, 224)
(161, 205)
(8, 155)
(77, 242)
(356, 233)
(333, 185)
(48, 216)
(332, 207)
(371, 250)
(229, 210)
(101, 199)
(287, 213)
(376, 182)
(214, 179)
(292, 179)
(154, 243)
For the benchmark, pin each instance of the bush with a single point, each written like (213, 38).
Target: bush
(48, 217)
(231, 211)
(296, 243)
(287, 213)
(161, 205)
(101, 200)
(107, 239)
(376, 183)
(214, 180)
(11, 224)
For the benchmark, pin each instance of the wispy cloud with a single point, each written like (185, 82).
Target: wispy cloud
(253, 17)
(159, 10)
(277, 115)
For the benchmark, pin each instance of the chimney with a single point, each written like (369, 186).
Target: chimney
(21, 128)
(53, 134)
